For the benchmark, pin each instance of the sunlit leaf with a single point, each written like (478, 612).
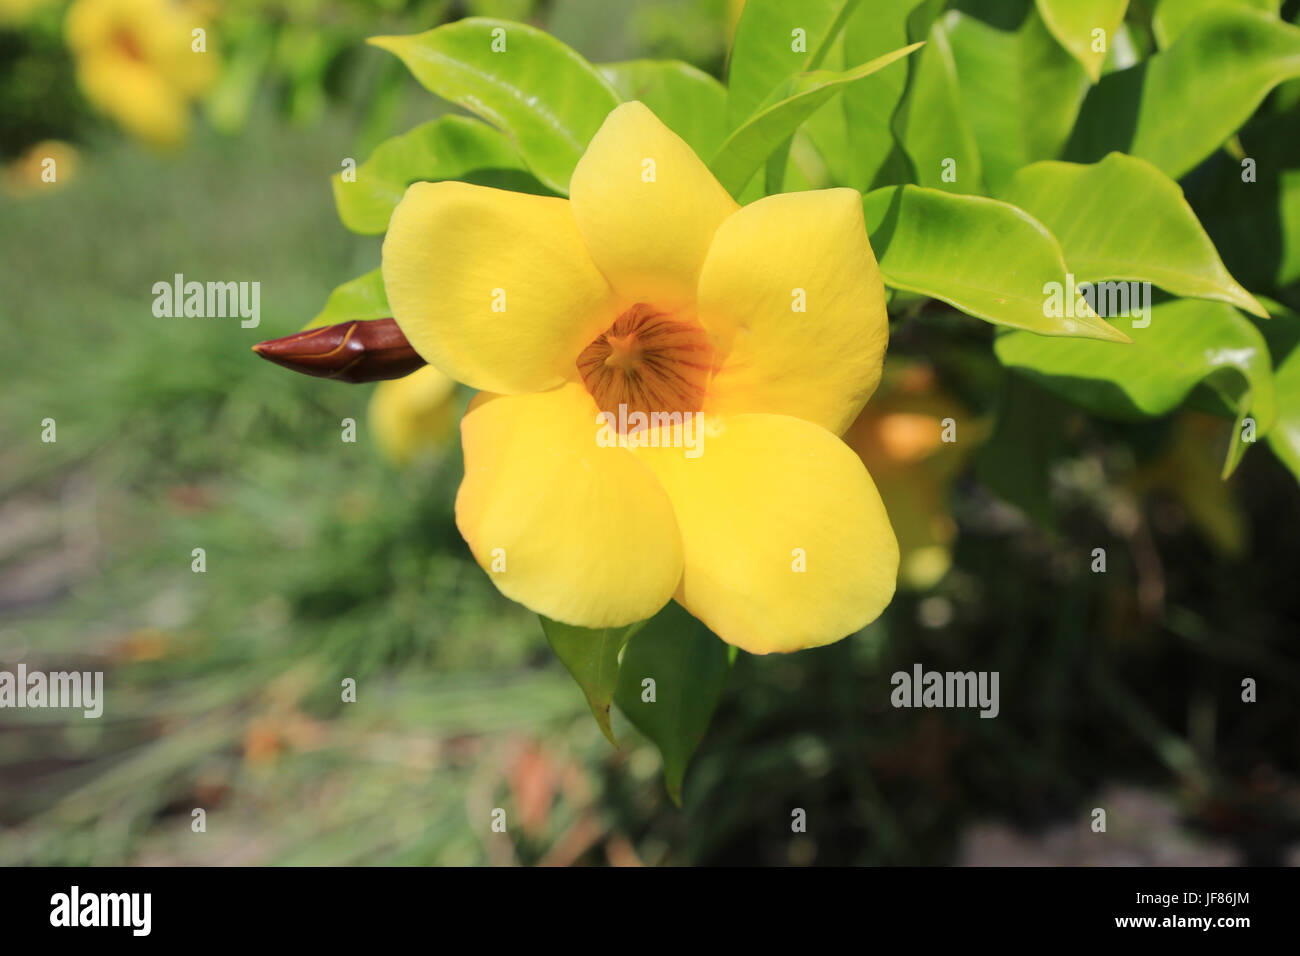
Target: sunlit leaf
(931, 124)
(1020, 91)
(543, 95)
(451, 147)
(985, 257)
(591, 656)
(1179, 106)
(1124, 219)
(1187, 342)
(689, 101)
(775, 40)
(1073, 23)
(1172, 17)
(688, 666)
(746, 149)
(361, 298)
(872, 30)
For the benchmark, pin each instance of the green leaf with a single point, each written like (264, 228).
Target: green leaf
(689, 101)
(749, 146)
(689, 667)
(767, 50)
(1255, 219)
(1188, 342)
(1176, 108)
(1283, 334)
(1123, 218)
(868, 105)
(1072, 23)
(1020, 91)
(591, 656)
(930, 124)
(543, 95)
(452, 147)
(1172, 17)
(361, 298)
(983, 256)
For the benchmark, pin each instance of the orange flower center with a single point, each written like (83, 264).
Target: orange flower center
(649, 361)
(127, 44)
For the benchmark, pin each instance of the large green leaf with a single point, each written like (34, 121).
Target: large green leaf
(868, 105)
(775, 40)
(689, 101)
(746, 149)
(983, 256)
(930, 123)
(1172, 17)
(451, 147)
(543, 95)
(1072, 22)
(1176, 108)
(361, 298)
(1020, 91)
(1123, 218)
(1188, 342)
(688, 666)
(591, 656)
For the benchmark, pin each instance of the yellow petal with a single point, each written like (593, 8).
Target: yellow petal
(766, 496)
(493, 287)
(137, 97)
(413, 414)
(647, 208)
(580, 533)
(788, 252)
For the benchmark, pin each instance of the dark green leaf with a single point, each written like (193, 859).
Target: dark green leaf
(688, 666)
(591, 656)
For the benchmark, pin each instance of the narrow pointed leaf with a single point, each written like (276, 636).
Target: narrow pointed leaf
(451, 147)
(591, 656)
(873, 29)
(746, 149)
(1188, 342)
(775, 40)
(688, 666)
(985, 257)
(1122, 218)
(543, 95)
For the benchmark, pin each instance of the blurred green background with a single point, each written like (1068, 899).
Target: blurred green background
(324, 560)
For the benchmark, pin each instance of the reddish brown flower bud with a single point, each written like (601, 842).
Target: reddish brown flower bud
(356, 351)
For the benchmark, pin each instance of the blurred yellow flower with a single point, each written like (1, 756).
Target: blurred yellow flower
(651, 293)
(47, 165)
(900, 438)
(413, 414)
(140, 62)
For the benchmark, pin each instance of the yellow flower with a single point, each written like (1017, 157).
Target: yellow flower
(412, 414)
(45, 166)
(900, 438)
(652, 290)
(136, 61)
